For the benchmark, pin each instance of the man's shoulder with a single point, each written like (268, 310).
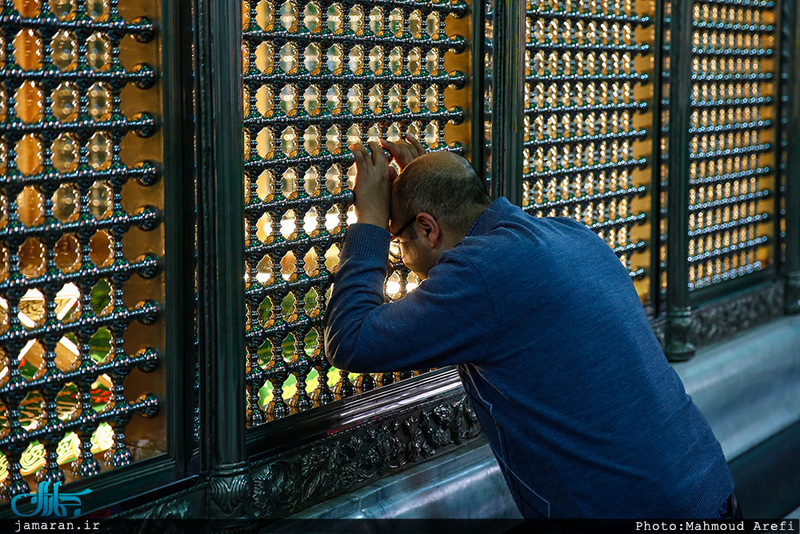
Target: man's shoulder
(500, 246)
(523, 248)
(517, 225)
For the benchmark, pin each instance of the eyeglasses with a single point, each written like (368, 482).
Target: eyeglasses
(403, 229)
(394, 245)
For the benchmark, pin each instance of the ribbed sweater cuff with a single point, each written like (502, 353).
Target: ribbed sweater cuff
(366, 241)
(707, 497)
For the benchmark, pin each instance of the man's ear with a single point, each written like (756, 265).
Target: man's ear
(431, 231)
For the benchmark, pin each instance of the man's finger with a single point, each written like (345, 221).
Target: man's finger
(391, 147)
(358, 157)
(378, 157)
(397, 150)
(403, 153)
(416, 144)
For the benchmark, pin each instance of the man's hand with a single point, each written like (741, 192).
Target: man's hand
(373, 184)
(404, 152)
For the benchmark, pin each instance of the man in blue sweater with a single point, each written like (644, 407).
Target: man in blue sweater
(585, 416)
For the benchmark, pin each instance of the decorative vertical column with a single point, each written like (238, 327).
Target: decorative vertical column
(507, 117)
(221, 256)
(679, 317)
(481, 87)
(791, 173)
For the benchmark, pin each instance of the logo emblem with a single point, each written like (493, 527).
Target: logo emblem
(50, 502)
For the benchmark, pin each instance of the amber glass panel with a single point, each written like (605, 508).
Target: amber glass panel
(588, 71)
(732, 185)
(80, 239)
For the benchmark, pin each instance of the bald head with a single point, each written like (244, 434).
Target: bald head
(441, 161)
(441, 184)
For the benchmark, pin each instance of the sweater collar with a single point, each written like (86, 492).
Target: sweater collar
(489, 218)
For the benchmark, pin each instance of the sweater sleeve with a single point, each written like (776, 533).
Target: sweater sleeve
(448, 319)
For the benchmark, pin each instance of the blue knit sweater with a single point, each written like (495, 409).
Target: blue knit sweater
(573, 392)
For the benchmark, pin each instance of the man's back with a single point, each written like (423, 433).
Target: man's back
(576, 397)
(585, 416)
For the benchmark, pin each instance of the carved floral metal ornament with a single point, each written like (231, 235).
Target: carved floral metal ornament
(348, 460)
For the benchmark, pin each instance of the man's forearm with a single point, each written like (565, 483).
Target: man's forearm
(442, 322)
(357, 290)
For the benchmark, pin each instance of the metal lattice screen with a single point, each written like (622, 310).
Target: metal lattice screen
(732, 186)
(80, 238)
(587, 88)
(319, 76)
